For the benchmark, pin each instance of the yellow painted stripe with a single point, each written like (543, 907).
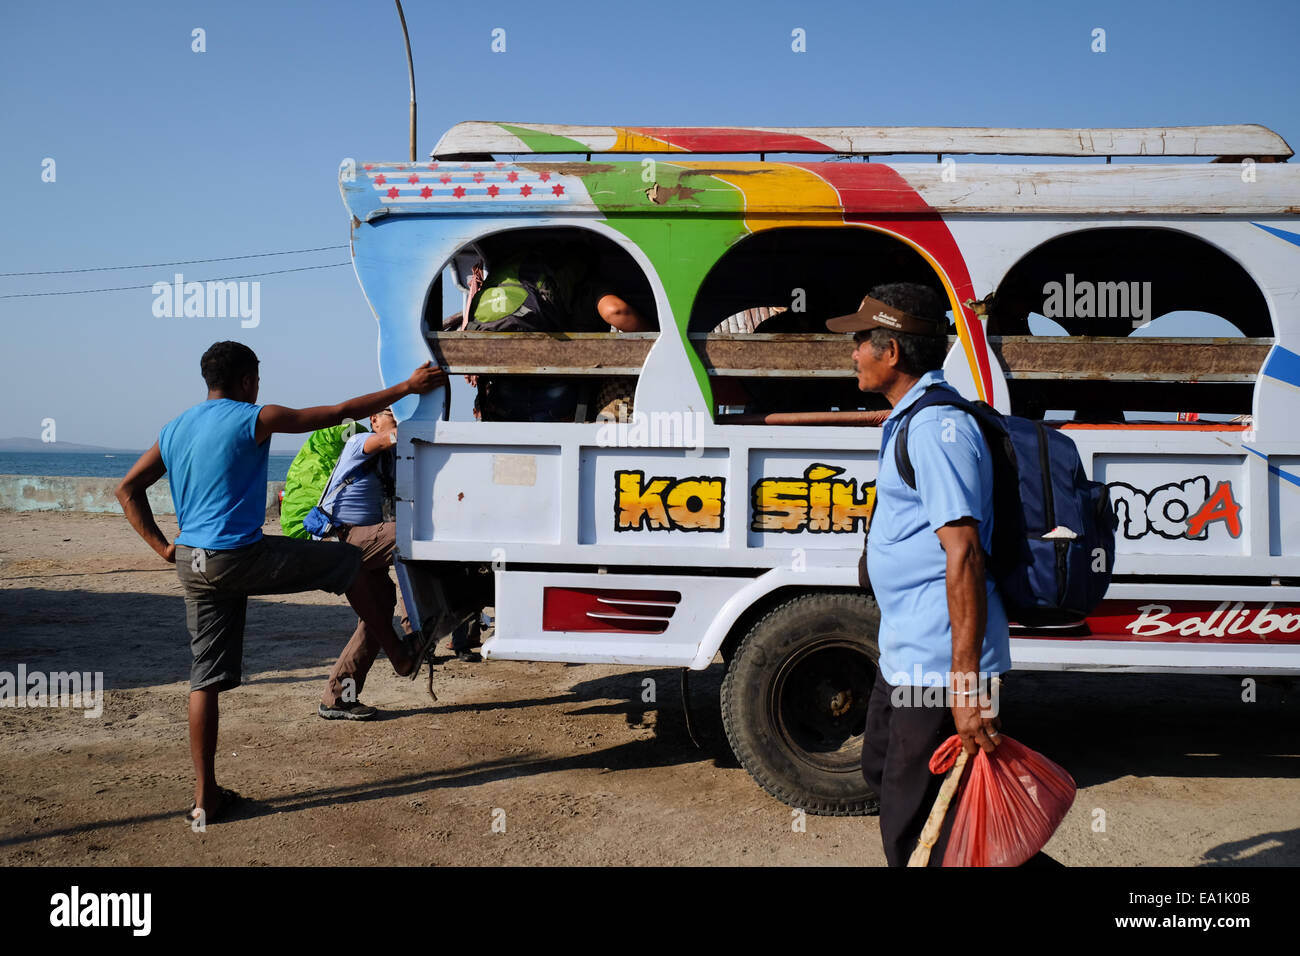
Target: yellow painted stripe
(629, 142)
(773, 187)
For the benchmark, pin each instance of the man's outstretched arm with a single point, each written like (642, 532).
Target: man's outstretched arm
(277, 419)
(131, 494)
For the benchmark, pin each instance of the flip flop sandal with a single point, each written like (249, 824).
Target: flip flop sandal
(227, 799)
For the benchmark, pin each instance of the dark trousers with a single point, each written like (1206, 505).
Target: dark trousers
(466, 637)
(217, 585)
(896, 751)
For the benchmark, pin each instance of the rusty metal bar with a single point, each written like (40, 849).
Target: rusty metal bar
(806, 418)
(1098, 358)
(541, 353)
(1084, 358)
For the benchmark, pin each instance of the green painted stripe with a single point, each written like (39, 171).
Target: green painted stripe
(681, 256)
(540, 142)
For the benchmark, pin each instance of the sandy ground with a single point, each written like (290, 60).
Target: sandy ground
(579, 770)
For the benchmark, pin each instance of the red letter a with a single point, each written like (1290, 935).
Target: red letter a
(1218, 507)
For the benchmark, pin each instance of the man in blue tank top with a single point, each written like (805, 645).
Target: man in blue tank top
(215, 457)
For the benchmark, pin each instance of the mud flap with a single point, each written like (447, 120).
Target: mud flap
(426, 602)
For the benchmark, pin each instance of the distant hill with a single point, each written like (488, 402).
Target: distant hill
(34, 446)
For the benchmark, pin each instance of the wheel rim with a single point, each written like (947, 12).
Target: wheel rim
(819, 703)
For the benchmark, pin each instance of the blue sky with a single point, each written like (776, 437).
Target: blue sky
(163, 153)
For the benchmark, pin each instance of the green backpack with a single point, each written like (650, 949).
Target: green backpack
(524, 293)
(308, 473)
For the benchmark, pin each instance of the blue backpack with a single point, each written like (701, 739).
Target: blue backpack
(320, 521)
(1053, 528)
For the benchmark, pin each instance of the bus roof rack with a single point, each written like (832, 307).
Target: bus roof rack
(479, 139)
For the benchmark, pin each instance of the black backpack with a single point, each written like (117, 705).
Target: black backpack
(1053, 527)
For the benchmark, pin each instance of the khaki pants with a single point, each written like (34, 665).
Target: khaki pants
(378, 543)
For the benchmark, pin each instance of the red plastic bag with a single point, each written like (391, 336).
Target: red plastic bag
(1010, 803)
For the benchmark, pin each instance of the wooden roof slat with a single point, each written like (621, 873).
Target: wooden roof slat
(480, 137)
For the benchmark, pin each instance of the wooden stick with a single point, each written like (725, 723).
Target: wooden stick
(934, 823)
(875, 417)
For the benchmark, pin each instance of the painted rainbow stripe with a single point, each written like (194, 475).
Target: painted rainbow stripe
(819, 194)
(865, 184)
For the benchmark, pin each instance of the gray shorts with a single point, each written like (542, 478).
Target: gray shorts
(217, 585)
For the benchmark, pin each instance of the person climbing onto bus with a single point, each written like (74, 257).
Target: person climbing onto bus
(941, 618)
(358, 512)
(215, 456)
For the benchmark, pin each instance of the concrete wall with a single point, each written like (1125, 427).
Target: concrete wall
(29, 493)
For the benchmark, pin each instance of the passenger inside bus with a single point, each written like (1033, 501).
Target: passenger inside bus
(757, 322)
(549, 289)
(788, 397)
(555, 286)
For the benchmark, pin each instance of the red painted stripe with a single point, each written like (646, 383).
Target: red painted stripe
(870, 188)
(873, 193)
(1186, 622)
(1154, 426)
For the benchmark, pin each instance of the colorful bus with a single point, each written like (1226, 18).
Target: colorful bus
(1133, 287)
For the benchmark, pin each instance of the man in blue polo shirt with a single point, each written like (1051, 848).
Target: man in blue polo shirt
(215, 456)
(942, 624)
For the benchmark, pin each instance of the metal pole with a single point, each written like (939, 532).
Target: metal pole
(410, 69)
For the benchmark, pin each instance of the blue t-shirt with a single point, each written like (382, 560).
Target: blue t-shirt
(217, 473)
(361, 502)
(906, 562)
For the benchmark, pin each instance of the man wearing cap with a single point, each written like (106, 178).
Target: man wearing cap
(941, 620)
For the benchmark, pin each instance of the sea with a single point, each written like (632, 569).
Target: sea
(96, 465)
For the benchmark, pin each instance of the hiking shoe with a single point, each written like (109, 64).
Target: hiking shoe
(468, 656)
(345, 711)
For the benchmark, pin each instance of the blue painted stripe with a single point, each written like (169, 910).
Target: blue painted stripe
(1285, 476)
(1291, 237)
(1283, 365)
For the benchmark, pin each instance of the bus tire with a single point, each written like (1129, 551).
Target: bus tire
(794, 701)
